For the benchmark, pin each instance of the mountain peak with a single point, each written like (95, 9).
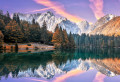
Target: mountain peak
(84, 26)
(50, 13)
(110, 28)
(102, 21)
(109, 16)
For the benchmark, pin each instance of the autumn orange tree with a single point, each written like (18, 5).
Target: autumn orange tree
(1, 40)
(13, 32)
(57, 38)
(65, 39)
(25, 27)
(2, 25)
(61, 39)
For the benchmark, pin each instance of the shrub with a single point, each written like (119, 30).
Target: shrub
(28, 44)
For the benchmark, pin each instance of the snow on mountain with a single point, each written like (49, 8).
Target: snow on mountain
(52, 21)
(70, 27)
(28, 17)
(103, 70)
(109, 29)
(51, 69)
(84, 26)
(101, 21)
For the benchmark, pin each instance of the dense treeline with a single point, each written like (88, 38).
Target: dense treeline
(97, 53)
(99, 41)
(16, 62)
(15, 30)
(62, 40)
(18, 31)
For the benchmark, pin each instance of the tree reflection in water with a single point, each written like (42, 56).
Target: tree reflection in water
(17, 62)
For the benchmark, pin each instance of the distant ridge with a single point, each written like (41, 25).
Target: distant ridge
(110, 28)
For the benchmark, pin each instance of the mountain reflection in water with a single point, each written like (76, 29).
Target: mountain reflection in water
(59, 65)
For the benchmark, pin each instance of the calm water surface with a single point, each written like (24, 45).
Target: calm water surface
(81, 65)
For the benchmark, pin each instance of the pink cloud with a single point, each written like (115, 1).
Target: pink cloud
(99, 77)
(68, 75)
(59, 9)
(37, 80)
(97, 8)
(44, 9)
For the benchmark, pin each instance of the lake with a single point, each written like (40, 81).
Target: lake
(80, 65)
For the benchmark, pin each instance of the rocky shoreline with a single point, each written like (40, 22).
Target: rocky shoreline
(23, 47)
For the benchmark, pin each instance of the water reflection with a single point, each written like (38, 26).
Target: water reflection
(64, 63)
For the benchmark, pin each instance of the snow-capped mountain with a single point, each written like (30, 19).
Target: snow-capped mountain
(76, 28)
(101, 21)
(52, 70)
(84, 26)
(70, 27)
(52, 21)
(109, 29)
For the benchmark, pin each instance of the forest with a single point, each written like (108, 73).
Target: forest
(97, 41)
(14, 30)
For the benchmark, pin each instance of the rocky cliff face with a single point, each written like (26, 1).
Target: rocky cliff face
(51, 69)
(101, 21)
(84, 26)
(99, 27)
(52, 21)
(110, 28)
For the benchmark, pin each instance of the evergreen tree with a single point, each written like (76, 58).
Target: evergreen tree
(1, 12)
(13, 32)
(35, 33)
(56, 38)
(65, 40)
(33, 21)
(71, 41)
(16, 47)
(14, 17)
(1, 40)
(25, 27)
(7, 19)
(18, 19)
(2, 25)
(56, 27)
(44, 33)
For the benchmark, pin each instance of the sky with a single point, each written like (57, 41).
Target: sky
(74, 10)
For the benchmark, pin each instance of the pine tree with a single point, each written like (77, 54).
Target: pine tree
(1, 12)
(35, 33)
(65, 40)
(18, 19)
(56, 38)
(33, 21)
(13, 32)
(71, 41)
(56, 27)
(14, 17)
(7, 14)
(25, 27)
(44, 33)
(7, 19)
(1, 40)
(2, 26)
